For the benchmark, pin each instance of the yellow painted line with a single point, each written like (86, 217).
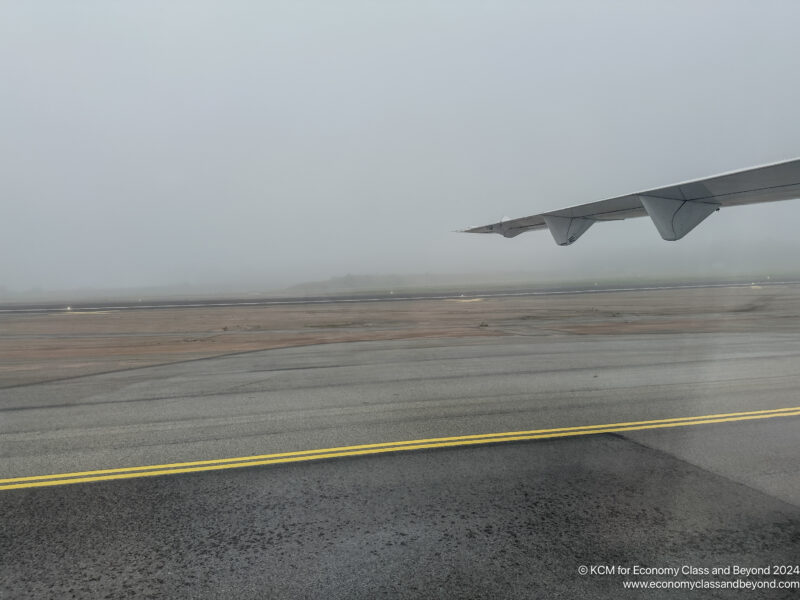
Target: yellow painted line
(399, 443)
(364, 449)
(392, 444)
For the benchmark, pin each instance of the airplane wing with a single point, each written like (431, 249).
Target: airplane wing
(675, 210)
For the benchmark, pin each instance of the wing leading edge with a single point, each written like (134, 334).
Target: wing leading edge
(675, 210)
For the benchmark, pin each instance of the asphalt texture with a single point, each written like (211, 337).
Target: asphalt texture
(514, 520)
(511, 521)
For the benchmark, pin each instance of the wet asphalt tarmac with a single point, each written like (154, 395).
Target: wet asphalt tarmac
(507, 521)
(514, 520)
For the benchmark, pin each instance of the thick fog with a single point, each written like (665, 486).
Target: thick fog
(260, 144)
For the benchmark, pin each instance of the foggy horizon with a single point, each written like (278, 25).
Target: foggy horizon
(263, 145)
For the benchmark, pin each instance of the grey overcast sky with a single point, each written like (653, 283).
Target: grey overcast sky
(266, 143)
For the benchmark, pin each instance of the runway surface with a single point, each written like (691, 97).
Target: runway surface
(88, 305)
(513, 519)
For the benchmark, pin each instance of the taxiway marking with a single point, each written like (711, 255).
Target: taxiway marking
(379, 448)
